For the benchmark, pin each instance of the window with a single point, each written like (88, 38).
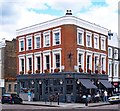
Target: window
(110, 52)
(103, 63)
(29, 44)
(15, 87)
(30, 63)
(46, 39)
(88, 61)
(38, 63)
(80, 36)
(47, 62)
(96, 62)
(115, 54)
(57, 60)
(9, 87)
(96, 41)
(21, 45)
(103, 45)
(115, 67)
(80, 60)
(37, 42)
(109, 69)
(57, 38)
(22, 65)
(89, 39)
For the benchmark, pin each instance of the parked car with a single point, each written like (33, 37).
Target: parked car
(114, 99)
(11, 98)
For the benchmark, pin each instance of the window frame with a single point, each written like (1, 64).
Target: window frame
(90, 64)
(110, 52)
(96, 36)
(103, 38)
(21, 39)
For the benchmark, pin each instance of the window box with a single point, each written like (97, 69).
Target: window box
(21, 72)
(103, 72)
(89, 71)
(56, 70)
(46, 70)
(96, 71)
(37, 71)
(29, 71)
(80, 70)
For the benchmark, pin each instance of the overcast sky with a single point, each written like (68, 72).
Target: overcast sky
(16, 14)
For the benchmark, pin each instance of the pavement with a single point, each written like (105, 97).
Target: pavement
(64, 105)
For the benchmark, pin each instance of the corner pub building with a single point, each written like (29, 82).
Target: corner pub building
(66, 56)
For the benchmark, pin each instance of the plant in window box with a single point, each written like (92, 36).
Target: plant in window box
(80, 69)
(56, 70)
(96, 71)
(103, 72)
(46, 70)
(21, 72)
(37, 71)
(89, 71)
(29, 71)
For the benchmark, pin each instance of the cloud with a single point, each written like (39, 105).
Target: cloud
(17, 14)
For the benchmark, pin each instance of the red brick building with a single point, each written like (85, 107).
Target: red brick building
(66, 43)
(76, 48)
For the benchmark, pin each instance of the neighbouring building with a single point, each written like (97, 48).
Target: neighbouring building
(10, 68)
(67, 56)
(114, 61)
(2, 46)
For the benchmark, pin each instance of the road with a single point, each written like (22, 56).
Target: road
(9, 107)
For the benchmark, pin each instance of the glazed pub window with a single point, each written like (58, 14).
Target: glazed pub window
(79, 38)
(88, 61)
(47, 40)
(15, 87)
(80, 60)
(9, 87)
(88, 40)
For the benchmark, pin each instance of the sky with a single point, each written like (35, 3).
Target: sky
(16, 14)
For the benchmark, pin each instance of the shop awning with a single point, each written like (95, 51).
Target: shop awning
(87, 83)
(106, 83)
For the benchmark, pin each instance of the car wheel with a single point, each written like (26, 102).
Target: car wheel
(2, 102)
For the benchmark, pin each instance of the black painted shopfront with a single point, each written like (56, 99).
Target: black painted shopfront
(69, 86)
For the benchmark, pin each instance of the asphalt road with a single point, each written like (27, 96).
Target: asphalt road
(9, 107)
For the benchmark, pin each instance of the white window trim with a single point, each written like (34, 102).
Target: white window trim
(20, 67)
(103, 38)
(90, 34)
(79, 30)
(35, 36)
(96, 36)
(29, 37)
(37, 54)
(58, 30)
(27, 65)
(47, 52)
(22, 39)
(110, 52)
(83, 55)
(44, 34)
(57, 51)
(90, 61)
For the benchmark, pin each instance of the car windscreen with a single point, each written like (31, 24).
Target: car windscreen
(6, 95)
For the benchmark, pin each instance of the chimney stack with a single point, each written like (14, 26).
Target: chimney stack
(69, 12)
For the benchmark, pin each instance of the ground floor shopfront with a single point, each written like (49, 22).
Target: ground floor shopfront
(68, 86)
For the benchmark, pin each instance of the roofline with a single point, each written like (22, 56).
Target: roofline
(61, 21)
